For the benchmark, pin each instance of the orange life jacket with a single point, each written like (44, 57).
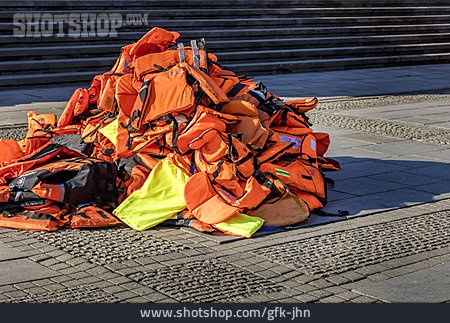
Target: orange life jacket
(91, 217)
(213, 204)
(79, 102)
(43, 219)
(300, 175)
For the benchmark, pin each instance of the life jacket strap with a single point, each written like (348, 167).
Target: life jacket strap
(181, 52)
(195, 53)
(235, 90)
(341, 213)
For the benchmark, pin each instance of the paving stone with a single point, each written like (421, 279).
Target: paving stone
(24, 285)
(137, 300)
(200, 280)
(35, 290)
(438, 170)
(363, 299)
(71, 283)
(339, 252)
(433, 135)
(331, 299)
(365, 185)
(16, 294)
(370, 138)
(49, 262)
(125, 295)
(7, 288)
(123, 244)
(321, 283)
(22, 270)
(338, 279)
(406, 179)
(348, 295)
(114, 289)
(428, 285)
(364, 168)
(440, 189)
(76, 294)
(335, 289)
(81, 274)
(43, 282)
(320, 293)
(101, 284)
(8, 253)
(54, 287)
(40, 257)
(402, 148)
(378, 277)
(120, 280)
(60, 279)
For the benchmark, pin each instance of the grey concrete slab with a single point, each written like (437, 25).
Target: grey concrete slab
(365, 167)
(419, 120)
(431, 285)
(346, 143)
(335, 195)
(23, 270)
(400, 148)
(438, 170)
(8, 253)
(365, 185)
(61, 93)
(443, 154)
(370, 138)
(440, 189)
(413, 160)
(352, 155)
(406, 179)
(445, 124)
(373, 203)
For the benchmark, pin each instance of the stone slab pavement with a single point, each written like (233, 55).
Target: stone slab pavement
(394, 182)
(431, 285)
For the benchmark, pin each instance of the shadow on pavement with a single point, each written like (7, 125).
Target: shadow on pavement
(367, 186)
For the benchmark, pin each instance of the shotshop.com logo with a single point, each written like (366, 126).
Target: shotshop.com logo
(74, 24)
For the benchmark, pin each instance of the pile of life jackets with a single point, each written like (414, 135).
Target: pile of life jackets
(167, 137)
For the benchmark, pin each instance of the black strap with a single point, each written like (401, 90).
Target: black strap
(255, 93)
(102, 214)
(284, 117)
(82, 214)
(143, 92)
(178, 222)
(192, 166)
(217, 171)
(269, 106)
(341, 213)
(329, 181)
(235, 90)
(175, 133)
(243, 160)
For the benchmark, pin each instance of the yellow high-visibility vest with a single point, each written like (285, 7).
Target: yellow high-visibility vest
(161, 196)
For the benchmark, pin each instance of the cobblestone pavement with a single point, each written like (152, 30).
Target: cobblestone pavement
(396, 159)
